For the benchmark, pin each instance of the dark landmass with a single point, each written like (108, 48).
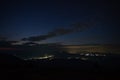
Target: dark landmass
(19, 62)
(12, 67)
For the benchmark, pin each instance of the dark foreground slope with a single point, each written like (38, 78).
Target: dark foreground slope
(12, 67)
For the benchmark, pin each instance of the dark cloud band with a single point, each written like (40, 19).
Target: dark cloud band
(77, 27)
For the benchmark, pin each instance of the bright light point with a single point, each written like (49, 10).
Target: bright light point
(87, 54)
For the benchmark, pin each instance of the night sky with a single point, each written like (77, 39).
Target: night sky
(23, 19)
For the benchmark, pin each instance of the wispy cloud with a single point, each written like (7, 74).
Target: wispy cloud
(77, 27)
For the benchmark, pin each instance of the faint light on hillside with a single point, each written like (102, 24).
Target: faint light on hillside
(77, 57)
(69, 58)
(83, 58)
(43, 57)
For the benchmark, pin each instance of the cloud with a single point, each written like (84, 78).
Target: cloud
(2, 38)
(4, 42)
(82, 26)
(77, 27)
(38, 38)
